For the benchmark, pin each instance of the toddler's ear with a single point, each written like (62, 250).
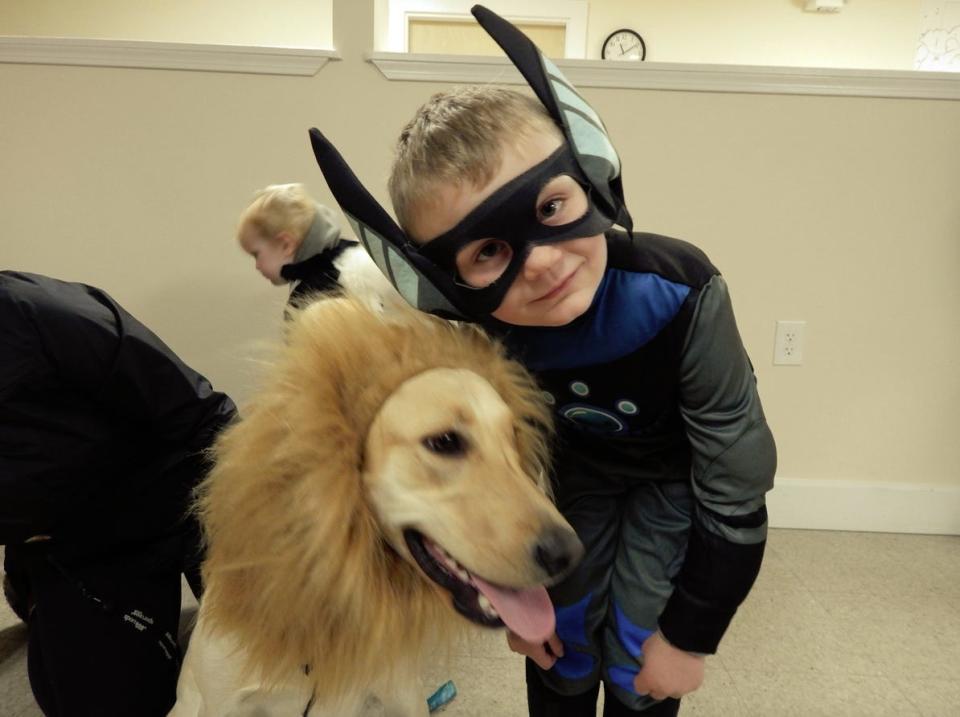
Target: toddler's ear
(287, 243)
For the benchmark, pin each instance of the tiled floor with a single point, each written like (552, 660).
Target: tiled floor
(839, 624)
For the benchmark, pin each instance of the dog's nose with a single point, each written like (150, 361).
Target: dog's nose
(557, 550)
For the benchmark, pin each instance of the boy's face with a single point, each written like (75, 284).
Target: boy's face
(558, 280)
(270, 254)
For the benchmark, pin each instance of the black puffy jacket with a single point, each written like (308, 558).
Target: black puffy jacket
(102, 427)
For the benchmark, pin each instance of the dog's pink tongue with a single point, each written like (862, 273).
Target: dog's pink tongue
(529, 613)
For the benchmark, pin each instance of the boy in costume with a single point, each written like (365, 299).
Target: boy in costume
(508, 208)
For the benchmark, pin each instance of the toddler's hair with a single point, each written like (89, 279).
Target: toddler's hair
(279, 208)
(457, 137)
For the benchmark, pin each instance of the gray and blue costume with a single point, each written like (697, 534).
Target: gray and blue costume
(662, 462)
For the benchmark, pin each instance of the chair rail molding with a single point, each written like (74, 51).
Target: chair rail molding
(898, 84)
(145, 54)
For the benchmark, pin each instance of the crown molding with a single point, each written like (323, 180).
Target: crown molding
(164, 55)
(898, 84)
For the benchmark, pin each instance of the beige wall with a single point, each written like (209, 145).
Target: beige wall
(843, 212)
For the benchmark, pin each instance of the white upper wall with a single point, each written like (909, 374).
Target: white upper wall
(872, 34)
(280, 23)
(875, 34)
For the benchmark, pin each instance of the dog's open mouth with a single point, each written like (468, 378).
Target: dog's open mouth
(528, 612)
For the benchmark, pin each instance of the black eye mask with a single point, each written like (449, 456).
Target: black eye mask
(510, 215)
(426, 275)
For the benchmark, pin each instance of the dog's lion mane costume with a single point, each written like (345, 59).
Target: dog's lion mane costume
(297, 568)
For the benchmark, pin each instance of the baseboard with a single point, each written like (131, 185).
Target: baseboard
(864, 506)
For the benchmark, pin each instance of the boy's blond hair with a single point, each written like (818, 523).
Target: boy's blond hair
(279, 208)
(457, 137)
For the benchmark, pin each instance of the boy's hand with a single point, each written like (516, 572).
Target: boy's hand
(667, 671)
(545, 654)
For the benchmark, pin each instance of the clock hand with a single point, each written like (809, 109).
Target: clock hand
(636, 44)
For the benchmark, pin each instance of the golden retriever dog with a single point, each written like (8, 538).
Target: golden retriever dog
(385, 489)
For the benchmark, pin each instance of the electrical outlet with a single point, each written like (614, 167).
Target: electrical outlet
(788, 344)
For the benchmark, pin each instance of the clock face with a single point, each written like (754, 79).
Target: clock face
(624, 45)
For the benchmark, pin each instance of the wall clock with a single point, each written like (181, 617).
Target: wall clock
(624, 45)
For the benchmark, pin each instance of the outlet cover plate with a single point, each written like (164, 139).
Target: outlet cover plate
(788, 344)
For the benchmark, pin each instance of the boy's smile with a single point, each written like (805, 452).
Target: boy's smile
(558, 280)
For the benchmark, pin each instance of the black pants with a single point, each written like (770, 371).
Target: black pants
(634, 531)
(103, 632)
(544, 702)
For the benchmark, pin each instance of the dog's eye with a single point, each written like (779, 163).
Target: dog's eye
(450, 443)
